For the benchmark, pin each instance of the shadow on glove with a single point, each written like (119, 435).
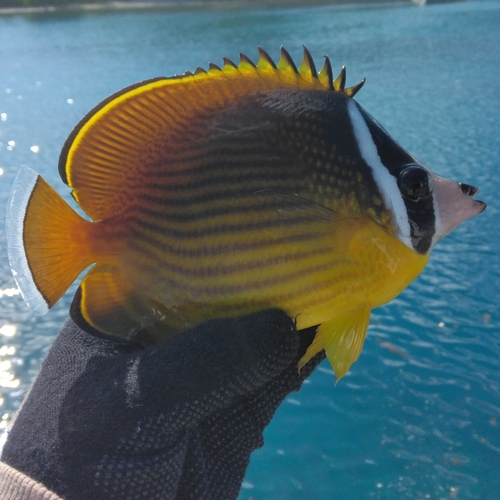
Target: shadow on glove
(177, 420)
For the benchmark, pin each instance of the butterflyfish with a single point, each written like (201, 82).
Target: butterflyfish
(226, 192)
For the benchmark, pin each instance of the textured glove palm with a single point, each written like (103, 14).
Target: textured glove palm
(177, 420)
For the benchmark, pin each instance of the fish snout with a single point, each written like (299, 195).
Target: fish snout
(454, 204)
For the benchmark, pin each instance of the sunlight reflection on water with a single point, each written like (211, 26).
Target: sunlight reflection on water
(417, 416)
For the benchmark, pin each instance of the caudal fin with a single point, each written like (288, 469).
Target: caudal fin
(47, 241)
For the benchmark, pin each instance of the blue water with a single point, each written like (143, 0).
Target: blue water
(418, 421)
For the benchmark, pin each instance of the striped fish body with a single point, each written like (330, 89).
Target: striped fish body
(259, 212)
(225, 193)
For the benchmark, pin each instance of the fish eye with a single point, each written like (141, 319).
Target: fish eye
(414, 182)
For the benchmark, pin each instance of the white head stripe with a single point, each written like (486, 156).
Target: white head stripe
(386, 183)
(438, 225)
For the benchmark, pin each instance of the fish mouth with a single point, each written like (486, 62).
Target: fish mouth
(470, 190)
(455, 204)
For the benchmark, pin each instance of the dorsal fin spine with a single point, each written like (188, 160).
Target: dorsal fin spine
(286, 62)
(245, 62)
(228, 64)
(287, 71)
(212, 66)
(339, 82)
(352, 91)
(307, 68)
(326, 74)
(265, 62)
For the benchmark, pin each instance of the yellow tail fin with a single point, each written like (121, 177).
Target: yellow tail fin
(47, 241)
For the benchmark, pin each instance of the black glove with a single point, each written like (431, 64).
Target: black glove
(178, 420)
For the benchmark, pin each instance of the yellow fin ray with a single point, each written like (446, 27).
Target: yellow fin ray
(352, 91)
(228, 65)
(109, 303)
(213, 67)
(286, 63)
(246, 63)
(127, 137)
(265, 63)
(314, 348)
(342, 338)
(325, 75)
(339, 83)
(307, 69)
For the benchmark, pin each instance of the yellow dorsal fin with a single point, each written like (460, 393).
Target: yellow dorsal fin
(286, 63)
(339, 82)
(326, 74)
(228, 65)
(352, 91)
(307, 69)
(213, 67)
(245, 63)
(265, 63)
(137, 130)
(342, 339)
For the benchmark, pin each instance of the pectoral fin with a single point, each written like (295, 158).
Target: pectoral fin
(342, 338)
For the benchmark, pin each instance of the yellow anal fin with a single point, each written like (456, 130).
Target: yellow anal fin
(342, 338)
(110, 304)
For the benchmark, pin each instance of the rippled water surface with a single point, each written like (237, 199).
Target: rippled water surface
(418, 416)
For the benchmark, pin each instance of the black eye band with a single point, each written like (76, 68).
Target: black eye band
(414, 182)
(416, 185)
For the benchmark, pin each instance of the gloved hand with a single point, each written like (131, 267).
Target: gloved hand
(177, 420)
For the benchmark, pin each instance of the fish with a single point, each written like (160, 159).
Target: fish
(226, 192)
